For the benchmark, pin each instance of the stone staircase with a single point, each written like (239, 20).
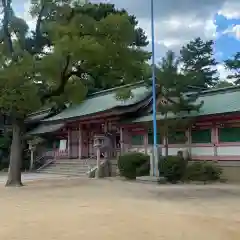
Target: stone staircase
(69, 167)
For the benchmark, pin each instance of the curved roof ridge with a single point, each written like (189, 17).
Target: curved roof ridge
(221, 90)
(115, 88)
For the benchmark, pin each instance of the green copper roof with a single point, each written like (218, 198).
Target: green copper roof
(219, 101)
(100, 102)
(39, 115)
(45, 128)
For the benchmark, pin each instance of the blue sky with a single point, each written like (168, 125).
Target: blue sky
(179, 21)
(226, 44)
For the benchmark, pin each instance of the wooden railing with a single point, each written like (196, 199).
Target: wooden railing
(56, 154)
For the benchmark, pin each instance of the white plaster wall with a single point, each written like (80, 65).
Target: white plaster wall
(149, 150)
(228, 151)
(174, 151)
(202, 151)
(63, 145)
(137, 149)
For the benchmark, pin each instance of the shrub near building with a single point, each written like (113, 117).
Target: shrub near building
(203, 172)
(134, 164)
(175, 169)
(172, 168)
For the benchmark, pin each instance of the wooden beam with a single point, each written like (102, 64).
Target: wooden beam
(80, 142)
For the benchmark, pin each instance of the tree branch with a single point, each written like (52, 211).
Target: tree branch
(80, 71)
(6, 11)
(63, 81)
(38, 24)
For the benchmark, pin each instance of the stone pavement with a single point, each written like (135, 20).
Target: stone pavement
(26, 177)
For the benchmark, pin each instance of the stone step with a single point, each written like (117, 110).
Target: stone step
(65, 166)
(80, 162)
(69, 167)
(65, 170)
(65, 173)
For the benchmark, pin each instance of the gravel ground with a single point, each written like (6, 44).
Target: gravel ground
(31, 177)
(117, 210)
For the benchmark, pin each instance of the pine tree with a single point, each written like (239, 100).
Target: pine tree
(234, 66)
(174, 89)
(53, 65)
(199, 65)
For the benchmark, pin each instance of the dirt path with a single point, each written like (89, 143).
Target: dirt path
(113, 210)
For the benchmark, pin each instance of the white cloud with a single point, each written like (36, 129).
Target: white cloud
(233, 30)
(27, 16)
(223, 72)
(176, 21)
(231, 9)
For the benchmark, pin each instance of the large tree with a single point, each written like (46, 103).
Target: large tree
(234, 66)
(72, 50)
(199, 64)
(107, 71)
(174, 88)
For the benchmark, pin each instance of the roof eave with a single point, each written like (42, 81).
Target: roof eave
(118, 110)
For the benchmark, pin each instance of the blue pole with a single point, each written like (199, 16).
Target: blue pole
(155, 150)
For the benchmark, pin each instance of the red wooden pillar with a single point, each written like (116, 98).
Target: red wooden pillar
(80, 142)
(146, 142)
(122, 150)
(69, 143)
(214, 137)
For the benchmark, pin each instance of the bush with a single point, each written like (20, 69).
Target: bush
(144, 170)
(172, 168)
(132, 165)
(203, 171)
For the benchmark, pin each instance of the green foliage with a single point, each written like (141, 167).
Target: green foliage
(173, 87)
(144, 169)
(123, 94)
(73, 50)
(223, 84)
(5, 142)
(199, 64)
(100, 42)
(234, 66)
(132, 165)
(203, 171)
(172, 168)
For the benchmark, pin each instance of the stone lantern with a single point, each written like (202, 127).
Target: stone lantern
(98, 143)
(32, 148)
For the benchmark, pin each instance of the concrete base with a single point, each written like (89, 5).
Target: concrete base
(148, 179)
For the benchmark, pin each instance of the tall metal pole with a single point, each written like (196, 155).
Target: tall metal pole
(155, 149)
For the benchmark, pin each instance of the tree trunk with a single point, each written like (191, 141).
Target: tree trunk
(14, 171)
(166, 144)
(166, 135)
